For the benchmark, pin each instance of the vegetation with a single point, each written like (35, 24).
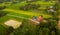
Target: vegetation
(2, 14)
(30, 6)
(2, 7)
(23, 11)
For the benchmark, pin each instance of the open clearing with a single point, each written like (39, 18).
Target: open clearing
(13, 23)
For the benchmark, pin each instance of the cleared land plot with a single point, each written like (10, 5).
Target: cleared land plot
(13, 23)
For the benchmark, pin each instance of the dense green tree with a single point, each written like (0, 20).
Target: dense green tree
(1, 1)
(52, 26)
(2, 7)
(30, 6)
(3, 30)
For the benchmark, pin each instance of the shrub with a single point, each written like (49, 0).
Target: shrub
(2, 14)
(3, 30)
(2, 7)
(26, 29)
(30, 7)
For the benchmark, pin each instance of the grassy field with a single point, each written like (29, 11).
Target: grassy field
(41, 3)
(27, 13)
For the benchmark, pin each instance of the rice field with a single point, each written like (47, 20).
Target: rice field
(15, 17)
